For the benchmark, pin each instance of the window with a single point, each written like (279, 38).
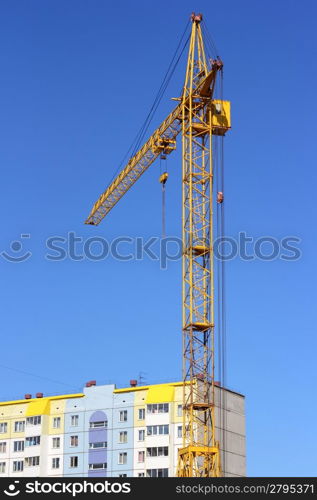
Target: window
(97, 425)
(179, 431)
(56, 442)
(3, 427)
(141, 435)
(141, 456)
(32, 461)
(122, 458)
(33, 441)
(141, 414)
(3, 447)
(2, 467)
(33, 420)
(19, 426)
(123, 437)
(159, 451)
(18, 446)
(17, 466)
(74, 420)
(122, 475)
(158, 408)
(153, 430)
(157, 472)
(179, 410)
(141, 474)
(73, 461)
(56, 422)
(97, 466)
(55, 463)
(100, 444)
(74, 440)
(123, 416)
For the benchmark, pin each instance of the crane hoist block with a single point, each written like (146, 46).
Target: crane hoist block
(164, 145)
(221, 118)
(163, 178)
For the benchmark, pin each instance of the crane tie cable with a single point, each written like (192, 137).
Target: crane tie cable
(135, 145)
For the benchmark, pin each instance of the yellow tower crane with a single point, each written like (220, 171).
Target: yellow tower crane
(198, 117)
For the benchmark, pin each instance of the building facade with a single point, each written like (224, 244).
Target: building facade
(110, 432)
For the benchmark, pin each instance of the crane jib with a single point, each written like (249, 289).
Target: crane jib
(150, 151)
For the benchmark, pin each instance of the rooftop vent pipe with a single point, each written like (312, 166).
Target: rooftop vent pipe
(91, 383)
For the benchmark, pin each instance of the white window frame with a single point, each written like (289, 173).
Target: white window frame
(123, 416)
(74, 420)
(56, 463)
(93, 466)
(3, 444)
(3, 467)
(76, 439)
(123, 437)
(141, 414)
(19, 445)
(17, 466)
(19, 426)
(36, 420)
(101, 424)
(103, 444)
(157, 408)
(143, 434)
(122, 458)
(142, 453)
(57, 422)
(32, 461)
(157, 451)
(56, 439)
(3, 427)
(75, 459)
(157, 430)
(28, 439)
(149, 472)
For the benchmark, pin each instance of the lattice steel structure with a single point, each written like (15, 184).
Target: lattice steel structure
(200, 453)
(198, 116)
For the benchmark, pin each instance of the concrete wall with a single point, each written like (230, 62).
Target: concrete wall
(230, 432)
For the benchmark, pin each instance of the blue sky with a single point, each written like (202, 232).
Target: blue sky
(77, 80)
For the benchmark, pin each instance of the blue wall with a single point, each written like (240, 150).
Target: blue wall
(98, 398)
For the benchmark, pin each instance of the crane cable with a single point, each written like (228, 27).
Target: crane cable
(166, 80)
(212, 49)
(221, 292)
(135, 145)
(163, 178)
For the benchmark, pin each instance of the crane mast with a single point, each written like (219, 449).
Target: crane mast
(197, 117)
(200, 455)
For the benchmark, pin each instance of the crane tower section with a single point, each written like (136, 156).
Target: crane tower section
(202, 117)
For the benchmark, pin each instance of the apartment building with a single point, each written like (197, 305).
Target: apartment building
(110, 432)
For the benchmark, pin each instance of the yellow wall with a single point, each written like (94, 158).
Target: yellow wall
(12, 411)
(160, 393)
(10, 414)
(139, 402)
(57, 409)
(178, 398)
